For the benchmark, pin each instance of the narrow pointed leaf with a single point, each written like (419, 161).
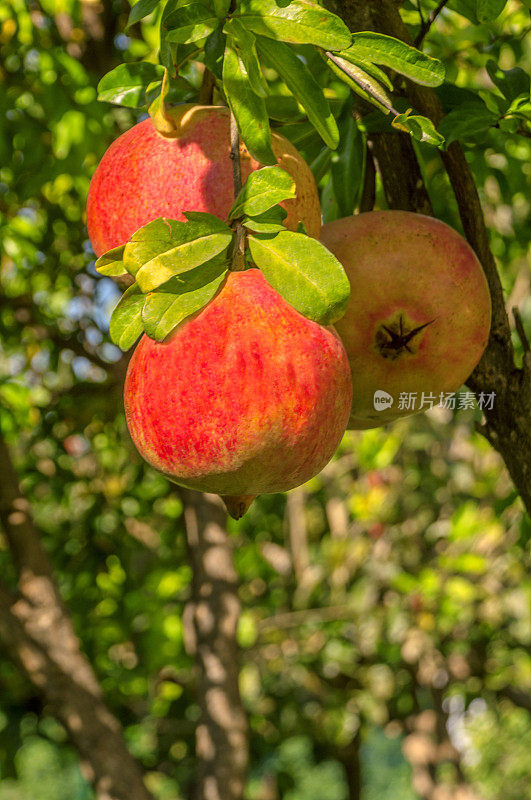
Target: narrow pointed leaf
(126, 320)
(304, 272)
(126, 84)
(246, 42)
(466, 122)
(214, 52)
(141, 10)
(512, 83)
(361, 82)
(221, 7)
(377, 48)
(189, 23)
(263, 189)
(299, 22)
(372, 70)
(488, 10)
(421, 128)
(303, 86)
(248, 108)
(164, 310)
(111, 263)
(347, 165)
(284, 108)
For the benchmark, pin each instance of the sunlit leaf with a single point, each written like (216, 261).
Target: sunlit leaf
(126, 320)
(126, 84)
(304, 272)
(299, 22)
(248, 108)
(378, 48)
(303, 86)
(263, 189)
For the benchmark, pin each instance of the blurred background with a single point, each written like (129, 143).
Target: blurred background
(386, 623)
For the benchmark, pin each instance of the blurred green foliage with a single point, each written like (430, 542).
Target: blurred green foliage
(410, 589)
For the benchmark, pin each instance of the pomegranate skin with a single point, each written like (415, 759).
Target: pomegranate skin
(419, 314)
(248, 397)
(144, 175)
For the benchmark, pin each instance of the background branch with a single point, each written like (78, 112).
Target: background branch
(508, 423)
(37, 633)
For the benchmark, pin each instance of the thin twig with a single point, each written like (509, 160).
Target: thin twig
(419, 9)
(426, 25)
(519, 325)
(238, 251)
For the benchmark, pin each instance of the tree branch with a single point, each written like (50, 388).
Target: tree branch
(39, 637)
(508, 423)
(426, 24)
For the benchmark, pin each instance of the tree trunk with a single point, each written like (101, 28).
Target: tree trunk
(211, 624)
(37, 633)
(508, 422)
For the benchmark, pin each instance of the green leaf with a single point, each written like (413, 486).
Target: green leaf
(179, 299)
(126, 320)
(361, 82)
(268, 222)
(214, 52)
(263, 189)
(321, 164)
(167, 54)
(488, 10)
(284, 108)
(377, 48)
(248, 108)
(466, 122)
(347, 165)
(421, 128)
(512, 83)
(305, 273)
(299, 22)
(141, 10)
(126, 85)
(111, 263)
(155, 255)
(303, 86)
(521, 108)
(246, 43)
(222, 8)
(371, 69)
(189, 23)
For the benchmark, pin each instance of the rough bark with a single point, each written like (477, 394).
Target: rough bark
(508, 423)
(211, 623)
(38, 635)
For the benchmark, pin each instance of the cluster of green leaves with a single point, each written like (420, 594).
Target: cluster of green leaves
(431, 568)
(179, 267)
(508, 109)
(235, 44)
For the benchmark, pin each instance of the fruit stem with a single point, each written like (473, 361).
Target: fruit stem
(238, 250)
